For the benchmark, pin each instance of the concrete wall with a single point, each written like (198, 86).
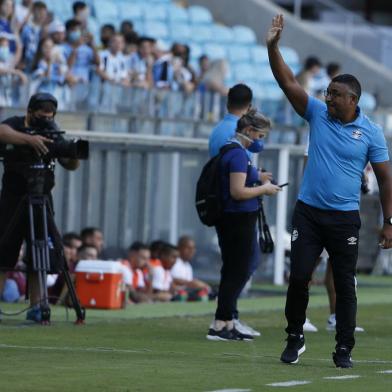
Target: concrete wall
(258, 14)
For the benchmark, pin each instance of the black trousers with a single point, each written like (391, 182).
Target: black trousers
(236, 237)
(337, 232)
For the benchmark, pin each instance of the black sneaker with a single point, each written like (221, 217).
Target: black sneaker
(294, 348)
(342, 357)
(224, 335)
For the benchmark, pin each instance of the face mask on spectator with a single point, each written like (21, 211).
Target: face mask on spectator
(256, 147)
(4, 53)
(75, 35)
(42, 123)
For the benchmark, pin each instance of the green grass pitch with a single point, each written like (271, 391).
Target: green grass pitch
(162, 347)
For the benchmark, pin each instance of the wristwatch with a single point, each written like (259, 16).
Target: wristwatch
(388, 220)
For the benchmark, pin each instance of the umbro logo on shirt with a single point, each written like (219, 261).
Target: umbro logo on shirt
(352, 240)
(357, 134)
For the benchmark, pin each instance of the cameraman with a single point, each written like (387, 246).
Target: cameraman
(15, 135)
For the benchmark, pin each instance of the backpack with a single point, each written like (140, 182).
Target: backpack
(208, 193)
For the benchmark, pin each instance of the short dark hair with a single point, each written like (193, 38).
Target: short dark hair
(71, 24)
(167, 249)
(42, 101)
(156, 247)
(350, 81)
(240, 96)
(88, 231)
(183, 240)
(108, 26)
(332, 68)
(311, 62)
(39, 5)
(146, 39)
(78, 5)
(131, 38)
(138, 245)
(69, 237)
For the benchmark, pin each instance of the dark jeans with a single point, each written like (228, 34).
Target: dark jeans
(337, 232)
(236, 237)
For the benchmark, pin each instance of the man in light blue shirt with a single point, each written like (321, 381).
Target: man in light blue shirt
(342, 142)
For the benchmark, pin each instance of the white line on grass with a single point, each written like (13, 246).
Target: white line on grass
(85, 349)
(288, 383)
(385, 371)
(346, 377)
(232, 390)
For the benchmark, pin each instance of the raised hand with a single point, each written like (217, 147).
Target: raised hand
(273, 35)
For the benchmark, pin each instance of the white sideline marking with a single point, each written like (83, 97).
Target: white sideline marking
(288, 383)
(86, 349)
(346, 377)
(385, 371)
(232, 390)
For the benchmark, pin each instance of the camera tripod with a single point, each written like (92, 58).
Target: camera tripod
(39, 210)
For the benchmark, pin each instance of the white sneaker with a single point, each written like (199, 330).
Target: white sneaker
(309, 327)
(245, 329)
(331, 324)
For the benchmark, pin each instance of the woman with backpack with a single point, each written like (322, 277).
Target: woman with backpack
(240, 189)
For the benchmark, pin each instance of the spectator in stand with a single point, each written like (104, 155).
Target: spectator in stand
(162, 281)
(80, 57)
(15, 282)
(74, 242)
(184, 76)
(113, 64)
(141, 62)
(162, 70)
(92, 236)
(56, 31)
(32, 32)
(333, 69)
(49, 68)
(8, 61)
(182, 271)
(137, 262)
(87, 252)
(214, 78)
(204, 64)
(8, 25)
(106, 33)
(131, 41)
(81, 13)
(306, 77)
(126, 27)
(22, 13)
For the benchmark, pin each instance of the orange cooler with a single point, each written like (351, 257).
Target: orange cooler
(99, 284)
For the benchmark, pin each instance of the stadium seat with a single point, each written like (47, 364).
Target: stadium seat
(264, 74)
(215, 51)
(156, 29)
(222, 34)
(199, 15)
(238, 54)
(244, 35)
(367, 101)
(132, 11)
(196, 51)
(177, 14)
(201, 33)
(289, 55)
(156, 12)
(244, 72)
(105, 10)
(259, 54)
(180, 32)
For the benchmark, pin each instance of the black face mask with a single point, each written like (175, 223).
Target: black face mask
(42, 123)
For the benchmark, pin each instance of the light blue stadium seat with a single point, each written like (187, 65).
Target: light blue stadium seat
(244, 35)
(177, 14)
(132, 11)
(289, 55)
(201, 33)
(105, 10)
(238, 54)
(259, 54)
(196, 51)
(156, 29)
(180, 32)
(367, 101)
(222, 34)
(199, 15)
(156, 12)
(263, 74)
(215, 51)
(244, 72)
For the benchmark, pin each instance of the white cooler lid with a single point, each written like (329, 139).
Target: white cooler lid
(100, 266)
